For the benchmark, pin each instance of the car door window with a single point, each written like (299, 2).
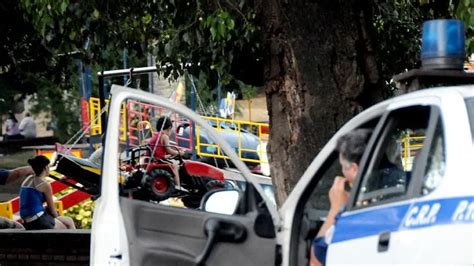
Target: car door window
(470, 112)
(397, 154)
(314, 204)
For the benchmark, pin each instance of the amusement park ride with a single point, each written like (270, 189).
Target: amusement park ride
(152, 180)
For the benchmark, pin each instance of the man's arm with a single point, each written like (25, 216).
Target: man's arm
(338, 197)
(20, 172)
(4, 176)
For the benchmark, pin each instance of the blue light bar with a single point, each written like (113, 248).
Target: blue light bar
(443, 44)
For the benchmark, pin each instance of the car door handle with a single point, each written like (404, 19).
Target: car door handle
(218, 230)
(384, 241)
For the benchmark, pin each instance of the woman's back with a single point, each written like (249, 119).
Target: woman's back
(31, 199)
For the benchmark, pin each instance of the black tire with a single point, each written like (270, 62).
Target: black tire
(159, 184)
(192, 202)
(214, 184)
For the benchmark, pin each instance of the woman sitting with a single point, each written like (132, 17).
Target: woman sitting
(34, 191)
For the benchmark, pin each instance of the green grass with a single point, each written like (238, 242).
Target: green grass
(13, 160)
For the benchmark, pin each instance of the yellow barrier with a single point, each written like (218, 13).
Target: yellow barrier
(410, 145)
(58, 205)
(6, 210)
(96, 119)
(123, 124)
(94, 107)
(234, 126)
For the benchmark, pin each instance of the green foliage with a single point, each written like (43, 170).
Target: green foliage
(464, 10)
(398, 26)
(248, 91)
(21, 54)
(184, 35)
(60, 100)
(81, 213)
(212, 40)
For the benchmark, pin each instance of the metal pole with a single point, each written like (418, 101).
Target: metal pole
(150, 75)
(193, 107)
(124, 65)
(218, 93)
(151, 85)
(81, 81)
(87, 83)
(121, 72)
(125, 79)
(102, 95)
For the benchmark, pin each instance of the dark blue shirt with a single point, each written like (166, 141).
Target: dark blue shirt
(320, 244)
(31, 201)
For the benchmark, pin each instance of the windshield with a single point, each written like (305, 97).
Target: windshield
(470, 111)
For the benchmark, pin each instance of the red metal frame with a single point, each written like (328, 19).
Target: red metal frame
(145, 115)
(201, 169)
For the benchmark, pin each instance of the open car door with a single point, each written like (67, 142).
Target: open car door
(128, 231)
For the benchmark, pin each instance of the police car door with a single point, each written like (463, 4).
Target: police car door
(130, 229)
(442, 192)
(367, 232)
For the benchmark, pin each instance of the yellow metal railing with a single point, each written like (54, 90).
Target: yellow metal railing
(410, 145)
(259, 129)
(236, 126)
(96, 119)
(94, 107)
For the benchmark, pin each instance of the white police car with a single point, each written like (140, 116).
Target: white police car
(422, 216)
(425, 215)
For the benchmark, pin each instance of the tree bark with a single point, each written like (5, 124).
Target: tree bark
(320, 71)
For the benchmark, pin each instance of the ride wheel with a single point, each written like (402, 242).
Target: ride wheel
(159, 184)
(214, 184)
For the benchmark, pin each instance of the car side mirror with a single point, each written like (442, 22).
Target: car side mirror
(221, 201)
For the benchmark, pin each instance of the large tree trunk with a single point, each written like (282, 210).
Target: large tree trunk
(320, 71)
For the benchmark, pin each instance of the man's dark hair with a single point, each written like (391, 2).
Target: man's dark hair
(163, 123)
(38, 163)
(352, 145)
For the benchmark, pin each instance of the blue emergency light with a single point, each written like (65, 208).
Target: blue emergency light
(443, 44)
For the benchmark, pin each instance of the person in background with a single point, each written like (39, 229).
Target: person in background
(28, 127)
(12, 129)
(96, 156)
(34, 191)
(10, 176)
(351, 147)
